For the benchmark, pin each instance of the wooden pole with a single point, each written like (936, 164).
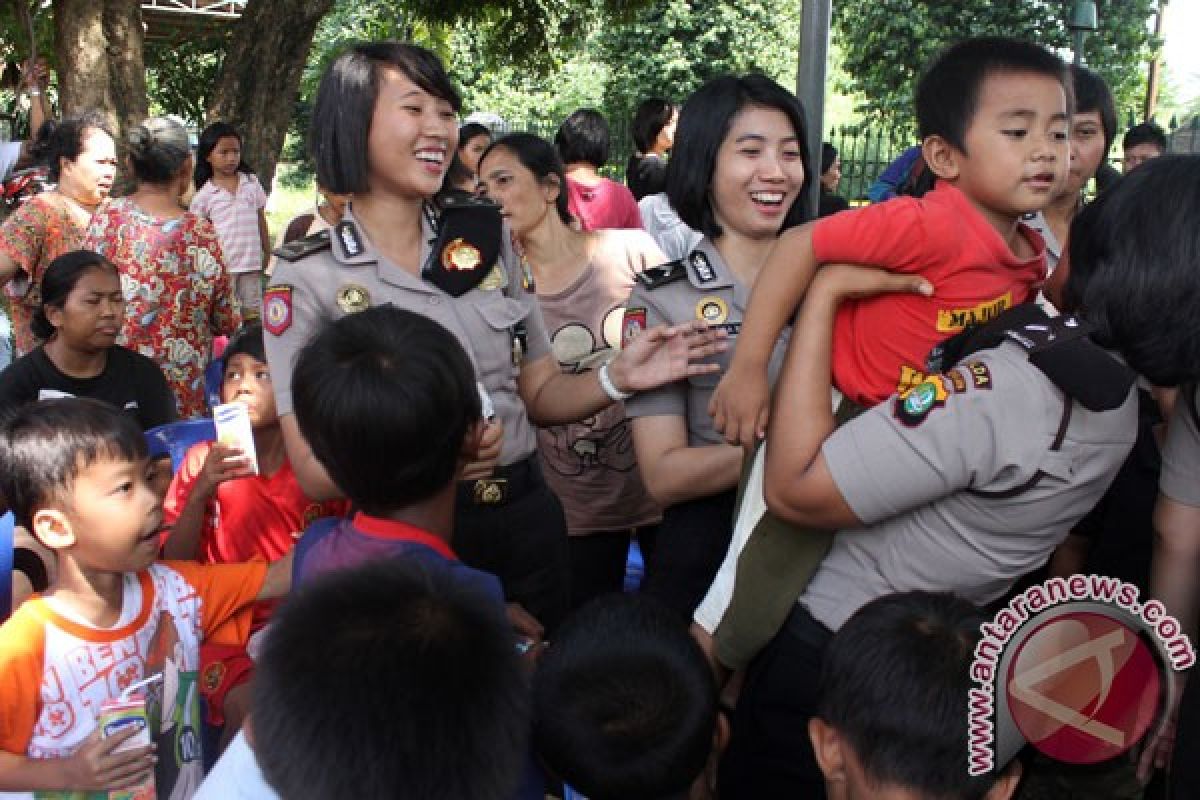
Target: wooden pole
(1152, 77)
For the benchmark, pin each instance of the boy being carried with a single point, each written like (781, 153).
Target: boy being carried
(221, 512)
(994, 117)
(75, 473)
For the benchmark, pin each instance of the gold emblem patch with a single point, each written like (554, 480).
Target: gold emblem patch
(353, 298)
(494, 279)
(461, 255)
(712, 310)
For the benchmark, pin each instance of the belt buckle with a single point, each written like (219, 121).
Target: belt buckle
(491, 491)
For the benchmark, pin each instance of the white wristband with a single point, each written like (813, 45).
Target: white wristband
(610, 388)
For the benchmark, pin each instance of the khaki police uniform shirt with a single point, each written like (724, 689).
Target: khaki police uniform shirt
(1180, 479)
(331, 283)
(710, 292)
(911, 470)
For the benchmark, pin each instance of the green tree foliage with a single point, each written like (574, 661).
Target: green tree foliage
(180, 76)
(886, 43)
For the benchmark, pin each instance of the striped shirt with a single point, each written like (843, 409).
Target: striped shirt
(235, 216)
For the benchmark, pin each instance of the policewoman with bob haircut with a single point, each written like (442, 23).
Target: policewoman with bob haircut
(383, 131)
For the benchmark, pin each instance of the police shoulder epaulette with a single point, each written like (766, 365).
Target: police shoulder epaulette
(300, 248)
(654, 277)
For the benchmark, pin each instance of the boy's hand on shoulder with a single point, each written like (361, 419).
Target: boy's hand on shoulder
(741, 404)
(100, 765)
(224, 462)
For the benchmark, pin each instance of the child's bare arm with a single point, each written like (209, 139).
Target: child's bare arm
(279, 579)
(223, 462)
(95, 766)
(739, 406)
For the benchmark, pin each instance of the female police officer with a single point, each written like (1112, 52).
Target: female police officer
(738, 168)
(383, 130)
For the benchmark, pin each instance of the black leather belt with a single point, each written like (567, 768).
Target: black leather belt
(507, 483)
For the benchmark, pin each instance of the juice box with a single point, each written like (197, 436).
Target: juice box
(115, 717)
(232, 421)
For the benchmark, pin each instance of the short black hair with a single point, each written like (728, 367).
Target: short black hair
(158, 149)
(209, 137)
(624, 703)
(470, 130)
(539, 157)
(345, 105)
(704, 123)
(394, 679)
(651, 116)
(895, 684)
(829, 155)
(63, 139)
(44, 445)
(59, 280)
(1093, 94)
(948, 91)
(1133, 254)
(1145, 133)
(247, 341)
(385, 398)
(583, 138)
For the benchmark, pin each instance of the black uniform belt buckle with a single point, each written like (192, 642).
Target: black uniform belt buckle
(490, 491)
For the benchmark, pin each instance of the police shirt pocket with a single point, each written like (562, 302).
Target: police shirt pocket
(493, 332)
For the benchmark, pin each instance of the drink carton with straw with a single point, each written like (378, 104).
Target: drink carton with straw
(117, 715)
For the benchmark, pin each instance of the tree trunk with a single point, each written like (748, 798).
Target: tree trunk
(256, 91)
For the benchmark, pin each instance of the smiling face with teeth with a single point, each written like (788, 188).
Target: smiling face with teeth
(758, 175)
(412, 136)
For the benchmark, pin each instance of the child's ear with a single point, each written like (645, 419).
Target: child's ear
(827, 746)
(1006, 785)
(53, 529)
(941, 157)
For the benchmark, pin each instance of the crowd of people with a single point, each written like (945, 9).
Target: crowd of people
(481, 379)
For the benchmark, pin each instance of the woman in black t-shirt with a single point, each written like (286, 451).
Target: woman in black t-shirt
(82, 308)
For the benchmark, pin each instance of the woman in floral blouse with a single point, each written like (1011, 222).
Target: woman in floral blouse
(82, 160)
(178, 293)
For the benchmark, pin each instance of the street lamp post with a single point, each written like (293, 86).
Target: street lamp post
(1082, 22)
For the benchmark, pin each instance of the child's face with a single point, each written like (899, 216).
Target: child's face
(1017, 145)
(248, 380)
(226, 156)
(758, 173)
(115, 516)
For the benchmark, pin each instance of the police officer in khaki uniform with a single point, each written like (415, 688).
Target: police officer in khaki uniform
(384, 128)
(970, 480)
(737, 171)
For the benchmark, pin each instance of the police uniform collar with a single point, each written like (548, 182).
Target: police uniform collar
(706, 269)
(350, 245)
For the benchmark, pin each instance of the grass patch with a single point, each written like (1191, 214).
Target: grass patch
(286, 201)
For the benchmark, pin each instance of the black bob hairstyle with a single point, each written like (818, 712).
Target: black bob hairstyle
(44, 445)
(539, 157)
(651, 116)
(1133, 274)
(1092, 94)
(63, 139)
(209, 138)
(385, 398)
(948, 92)
(583, 138)
(345, 105)
(59, 280)
(704, 123)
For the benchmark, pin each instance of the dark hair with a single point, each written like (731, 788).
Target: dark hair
(59, 280)
(1133, 254)
(395, 679)
(624, 702)
(1092, 94)
(539, 157)
(704, 123)
(1145, 133)
(470, 130)
(345, 105)
(385, 398)
(456, 173)
(158, 148)
(895, 684)
(208, 142)
(44, 445)
(829, 155)
(247, 341)
(64, 139)
(948, 91)
(651, 117)
(583, 138)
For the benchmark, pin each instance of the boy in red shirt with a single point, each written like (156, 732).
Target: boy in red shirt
(75, 472)
(220, 512)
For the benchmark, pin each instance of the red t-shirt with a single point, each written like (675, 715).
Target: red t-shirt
(261, 516)
(880, 344)
(608, 204)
